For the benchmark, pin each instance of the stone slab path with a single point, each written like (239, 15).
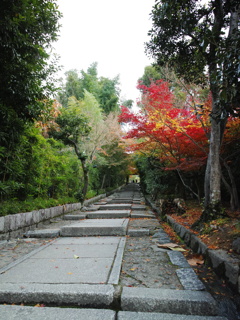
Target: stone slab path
(105, 265)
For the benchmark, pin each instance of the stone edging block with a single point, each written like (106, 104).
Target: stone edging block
(223, 264)
(83, 295)
(138, 232)
(22, 222)
(163, 300)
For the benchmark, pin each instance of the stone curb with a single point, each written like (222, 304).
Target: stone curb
(13, 225)
(117, 265)
(128, 315)
(23, 313)
(84, 295)
(162, 300)
(223, 264)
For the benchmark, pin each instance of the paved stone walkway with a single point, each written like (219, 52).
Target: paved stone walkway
(101, 263)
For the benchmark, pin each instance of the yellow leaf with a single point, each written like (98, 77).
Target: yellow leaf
(178, 249)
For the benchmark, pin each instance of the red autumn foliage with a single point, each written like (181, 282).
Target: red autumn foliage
(177, 136)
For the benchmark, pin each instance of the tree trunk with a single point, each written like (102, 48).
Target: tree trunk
(207, 183)
(103, 181)
(198, 190)
(234, 201)
(214, 159)
(212, 187)
(85, 178)
(187, 186)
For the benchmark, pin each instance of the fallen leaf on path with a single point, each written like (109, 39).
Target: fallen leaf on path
(196, 259)
(171, 246)
(178, 249)
(167, 245)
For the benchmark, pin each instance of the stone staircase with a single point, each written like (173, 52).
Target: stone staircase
(78, 274)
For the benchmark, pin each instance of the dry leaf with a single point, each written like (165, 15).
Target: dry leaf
(168, 245)
(171, 246)
(178, 249)
(196, 260)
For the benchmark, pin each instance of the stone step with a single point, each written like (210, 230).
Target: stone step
(46, 313)
(138, 202)
(108, 214)
(81, 295)
(119, 200)
(168, 301)
(27, 313)
(141, 215)
(138, 207)
(42, 233)
(96, 227)
(138, 232)
(74, 216)
(117, 206)
(126, 315)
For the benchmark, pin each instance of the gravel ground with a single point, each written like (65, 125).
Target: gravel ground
(16, 248)
(144, 264)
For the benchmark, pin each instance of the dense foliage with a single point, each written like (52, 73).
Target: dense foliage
(70, 153)
(172, 141)
(200, 40)
(27, 29)
(104, 90)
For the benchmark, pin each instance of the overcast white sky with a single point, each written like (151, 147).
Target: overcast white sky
(110, 32)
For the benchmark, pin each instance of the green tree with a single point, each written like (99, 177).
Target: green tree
(191, 37)
(27, 29)
(109, 94)
(150, 74)
(36, 166)
(104, 90)
(127, 103)
(73, 131)
(83, 127)
(71, 88)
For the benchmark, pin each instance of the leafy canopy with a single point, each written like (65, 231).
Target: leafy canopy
(27, 29)
(195, 37)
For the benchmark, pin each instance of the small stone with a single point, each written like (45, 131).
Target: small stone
(236, 245)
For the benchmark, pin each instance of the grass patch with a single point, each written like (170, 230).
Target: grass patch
(15, 206)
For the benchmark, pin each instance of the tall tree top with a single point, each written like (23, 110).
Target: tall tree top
(194, 37)
(27, 29)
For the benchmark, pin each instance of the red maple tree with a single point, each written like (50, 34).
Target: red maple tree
(178, 136)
